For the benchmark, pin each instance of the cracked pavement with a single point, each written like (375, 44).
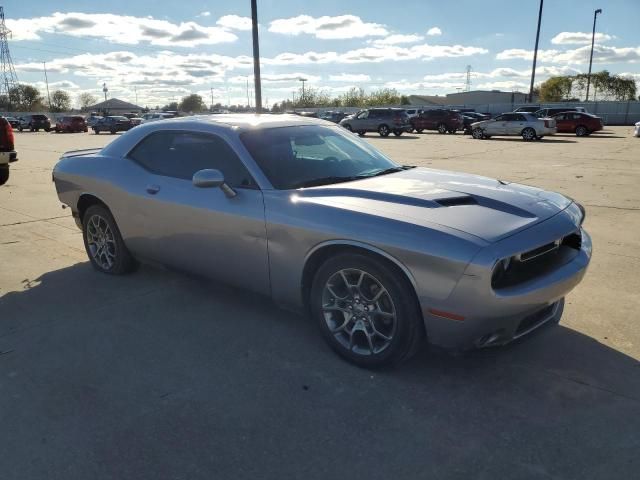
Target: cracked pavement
(163, 376)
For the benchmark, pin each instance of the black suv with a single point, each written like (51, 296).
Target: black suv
(34, 123)
(112, 124)
(381, 120)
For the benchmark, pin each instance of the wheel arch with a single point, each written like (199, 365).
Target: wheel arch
(87, 200)
(321, 252)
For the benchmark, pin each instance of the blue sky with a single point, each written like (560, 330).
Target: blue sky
(161, 51)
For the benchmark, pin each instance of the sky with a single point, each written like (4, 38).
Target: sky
(155, 52)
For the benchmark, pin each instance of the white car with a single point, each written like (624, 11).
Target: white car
(636, 132)
(526, 125)
(153, 117)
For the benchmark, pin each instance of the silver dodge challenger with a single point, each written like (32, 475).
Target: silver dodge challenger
(380, 255)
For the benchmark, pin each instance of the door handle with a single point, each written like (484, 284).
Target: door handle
(153, 189)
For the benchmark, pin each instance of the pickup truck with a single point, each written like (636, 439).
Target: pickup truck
(7, 152)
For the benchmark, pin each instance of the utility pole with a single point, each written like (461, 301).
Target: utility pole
(303, 98)
(467, 87)
(256, 56)
(44, 64)
(211, 108)
(8, 77)
(535, 53)
(593, 38)
(105, 90)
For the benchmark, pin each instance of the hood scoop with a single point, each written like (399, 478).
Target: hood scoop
(456, 201)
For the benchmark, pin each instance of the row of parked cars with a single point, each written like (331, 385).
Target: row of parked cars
(78, 123)
(522, 122)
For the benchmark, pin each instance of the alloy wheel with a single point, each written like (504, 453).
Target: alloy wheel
(101, 242)
(359, 311)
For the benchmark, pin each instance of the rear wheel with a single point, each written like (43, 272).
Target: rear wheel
(442, 128)
(4, 174)
(581, 131)
(528, 134)
(366, 311)
(384, 130)
(103, 242)
(397, 133)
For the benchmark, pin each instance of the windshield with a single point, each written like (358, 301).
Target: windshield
(294, 157)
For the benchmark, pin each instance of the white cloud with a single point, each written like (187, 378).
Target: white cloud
(342, 26)
(276, 78)
(504, 85)
(350, 77)
(121, 29)
(578, 38)
(601, 54)
(204, 14)
(434, 32)
(234, 22)
(396, 39)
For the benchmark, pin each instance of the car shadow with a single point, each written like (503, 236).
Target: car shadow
(404, 136)
(136, 373)
(592, 135)
(519, 139)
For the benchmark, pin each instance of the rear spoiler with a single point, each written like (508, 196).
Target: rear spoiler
(80, 153)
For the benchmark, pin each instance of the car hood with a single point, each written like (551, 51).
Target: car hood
(486, 208)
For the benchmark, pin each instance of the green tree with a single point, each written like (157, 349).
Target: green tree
(25, 98)
(556, 89)
(85, 100)
(605, 86)
(60, 101)
(382, 97)
(192, 103)
(169, 107)
(355, 97)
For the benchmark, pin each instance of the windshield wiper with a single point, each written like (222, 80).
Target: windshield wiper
(386, 171)
(316, 182)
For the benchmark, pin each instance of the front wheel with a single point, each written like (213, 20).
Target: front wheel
(384, 130)
(4, 174)
(366, 311)
(528, 134)
(581, 131)
(103, 242)
(477, 133)
(442, 128)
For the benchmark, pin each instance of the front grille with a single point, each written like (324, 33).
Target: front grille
(537, 262)
(535, 320)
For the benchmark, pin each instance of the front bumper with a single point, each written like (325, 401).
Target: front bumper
(488, 317)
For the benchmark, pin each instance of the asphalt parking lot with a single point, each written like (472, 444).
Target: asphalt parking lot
(163, 376)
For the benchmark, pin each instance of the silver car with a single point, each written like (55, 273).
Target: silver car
(381, 255)
(527, 125)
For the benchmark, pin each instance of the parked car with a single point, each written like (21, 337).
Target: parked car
(112, 124)
(440, 119)
(469, 118)
(412, 112)
(381, 120)
(581, 124)
(73, 123)
(133, 118)
(381, 255)
(154, 117)
(92, 120)
(526, 125)
(636, 130)
(34, 123)
(549, 112)
(528, 109)
(13, 121)
(332, 116)
(8, 154)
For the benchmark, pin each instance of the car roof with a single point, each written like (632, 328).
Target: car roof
(243, 121)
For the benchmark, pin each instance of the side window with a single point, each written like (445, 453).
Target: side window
(375, 114)
(520, 118)
(363, 115)
(500, 118)
(181, 154)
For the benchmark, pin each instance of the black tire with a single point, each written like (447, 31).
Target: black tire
(582, 131)
(384, 130)
(452, 131)
(122, 261)
(406, 336)
(4, 174)
(47, 130)
(362, 133)
(419, 130)
(478, 133)
(20, 128)
(397, 133)
(348, 127)
(442, 128)
(113, 132)
(96, 131)
(528, 134)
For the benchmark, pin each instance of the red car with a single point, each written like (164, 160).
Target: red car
(439, 119)
(75, 123)
(577, 122)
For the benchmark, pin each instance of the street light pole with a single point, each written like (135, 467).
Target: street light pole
(593, 38)
(535, 53)
(256, 56)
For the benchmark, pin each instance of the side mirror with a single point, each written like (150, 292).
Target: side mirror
(211, 178)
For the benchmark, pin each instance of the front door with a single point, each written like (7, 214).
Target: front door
(201, 230)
